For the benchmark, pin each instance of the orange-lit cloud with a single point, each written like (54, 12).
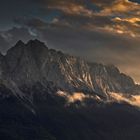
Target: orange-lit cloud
(72, 9)
(133, 100)
(133, 20)
(112, 16)
(128, 25)
(76, 96)
(120, 7)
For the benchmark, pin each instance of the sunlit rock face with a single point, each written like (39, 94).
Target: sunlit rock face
(26, 64)
(109, 78)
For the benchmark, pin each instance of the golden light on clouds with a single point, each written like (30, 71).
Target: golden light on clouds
(116, 16)
(120, 7)
(132, 20)
(133, 100)
(71, 8)
(120, 29)
(76, 96)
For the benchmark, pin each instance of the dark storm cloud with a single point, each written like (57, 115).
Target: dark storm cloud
(80, 22)
(10, 9)
(34, 23)
(103, 2)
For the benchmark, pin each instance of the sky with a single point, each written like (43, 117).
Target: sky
(104, 31)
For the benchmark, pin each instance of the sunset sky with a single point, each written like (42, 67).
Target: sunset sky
(106, 31)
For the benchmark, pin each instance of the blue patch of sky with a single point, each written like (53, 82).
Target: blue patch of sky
(92, 7)
(138, 1)
(52, 14)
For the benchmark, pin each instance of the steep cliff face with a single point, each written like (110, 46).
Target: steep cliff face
(110, 79)
(26, 64)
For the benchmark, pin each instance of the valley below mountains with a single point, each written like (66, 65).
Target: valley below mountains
(48, 95)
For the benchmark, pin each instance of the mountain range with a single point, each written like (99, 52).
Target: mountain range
(46, 94)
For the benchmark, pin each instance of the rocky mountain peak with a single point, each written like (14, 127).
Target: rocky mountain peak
(33, 62)
(20, 43)
(36, 44)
